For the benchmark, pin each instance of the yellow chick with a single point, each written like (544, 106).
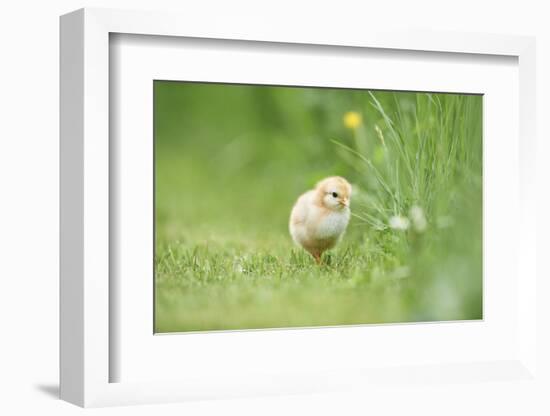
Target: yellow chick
(320, 216)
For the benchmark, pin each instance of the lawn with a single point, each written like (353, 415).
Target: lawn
(230, 161)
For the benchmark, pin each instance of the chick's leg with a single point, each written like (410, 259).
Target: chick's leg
(317, 256)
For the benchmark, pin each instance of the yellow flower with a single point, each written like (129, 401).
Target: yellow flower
(352, 120)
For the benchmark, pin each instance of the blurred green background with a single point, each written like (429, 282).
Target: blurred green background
(231, 160)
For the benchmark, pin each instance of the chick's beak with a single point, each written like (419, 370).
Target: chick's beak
(344, 202)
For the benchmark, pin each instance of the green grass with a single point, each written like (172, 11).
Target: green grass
(230, 162)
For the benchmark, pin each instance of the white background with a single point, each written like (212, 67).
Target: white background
(29, 205)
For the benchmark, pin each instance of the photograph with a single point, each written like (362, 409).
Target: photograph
(304, 206)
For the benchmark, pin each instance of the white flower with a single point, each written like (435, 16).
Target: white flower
(445, 222)
(397, 222)
(418, 219)
(401, 272)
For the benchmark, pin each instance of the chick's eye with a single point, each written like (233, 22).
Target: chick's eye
(334, 195)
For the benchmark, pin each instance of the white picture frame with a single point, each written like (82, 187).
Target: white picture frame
(86, 304)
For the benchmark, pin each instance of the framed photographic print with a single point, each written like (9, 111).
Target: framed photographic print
(267, 212)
